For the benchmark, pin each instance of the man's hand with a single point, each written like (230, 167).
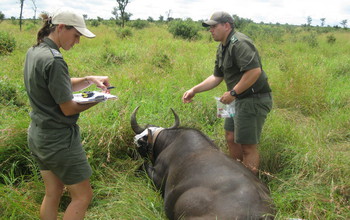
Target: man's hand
(188, 95)
(227, 98)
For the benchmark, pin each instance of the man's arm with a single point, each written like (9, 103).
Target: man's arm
(208, 84)
(247, 80)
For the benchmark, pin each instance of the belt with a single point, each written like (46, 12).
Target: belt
(259, 95)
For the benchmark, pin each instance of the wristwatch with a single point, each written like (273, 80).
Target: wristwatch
(233, 93)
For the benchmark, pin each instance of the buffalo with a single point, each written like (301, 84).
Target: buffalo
(196, 179)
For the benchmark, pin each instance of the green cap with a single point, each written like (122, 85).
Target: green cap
(218, 17)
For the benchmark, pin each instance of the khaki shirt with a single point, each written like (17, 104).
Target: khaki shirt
(235, 58)
(48, 84)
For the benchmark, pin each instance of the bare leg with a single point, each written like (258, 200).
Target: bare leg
(81, 194)
(53, 193)
(251, 157)
(247, 153)
(235, 150)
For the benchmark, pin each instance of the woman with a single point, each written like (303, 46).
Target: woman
(53, 135)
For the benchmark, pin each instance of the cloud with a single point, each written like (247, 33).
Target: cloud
(281, 11)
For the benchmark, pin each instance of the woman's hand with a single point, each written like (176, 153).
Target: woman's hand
(101, 82)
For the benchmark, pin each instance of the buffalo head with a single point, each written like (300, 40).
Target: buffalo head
(146, 136)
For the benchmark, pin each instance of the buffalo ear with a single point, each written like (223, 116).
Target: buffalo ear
(149, 136)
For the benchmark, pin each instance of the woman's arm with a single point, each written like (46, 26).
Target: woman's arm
(101, 82)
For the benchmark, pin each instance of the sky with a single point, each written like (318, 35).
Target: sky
(268, 11)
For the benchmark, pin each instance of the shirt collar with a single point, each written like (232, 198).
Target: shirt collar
(228, 39)
(51, 44)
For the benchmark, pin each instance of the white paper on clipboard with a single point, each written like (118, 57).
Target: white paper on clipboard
(97, 97)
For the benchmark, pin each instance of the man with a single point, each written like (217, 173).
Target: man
(238, 63)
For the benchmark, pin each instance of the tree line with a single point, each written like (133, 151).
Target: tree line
(121, 16)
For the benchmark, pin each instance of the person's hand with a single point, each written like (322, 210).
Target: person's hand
(101, 82)
(188, 95)
(227, 98)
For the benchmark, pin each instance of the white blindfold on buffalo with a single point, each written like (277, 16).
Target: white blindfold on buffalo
(145, 133)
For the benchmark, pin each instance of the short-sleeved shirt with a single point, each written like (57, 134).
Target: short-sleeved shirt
(53, 138)
(48, 84)
(235, 58)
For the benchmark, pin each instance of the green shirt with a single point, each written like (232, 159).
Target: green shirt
(48, 84)
(235, 58)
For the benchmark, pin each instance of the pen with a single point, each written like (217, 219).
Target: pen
(111, 87)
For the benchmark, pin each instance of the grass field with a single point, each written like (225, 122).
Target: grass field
(305, 145)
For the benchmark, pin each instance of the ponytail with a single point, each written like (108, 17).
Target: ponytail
(46, 29)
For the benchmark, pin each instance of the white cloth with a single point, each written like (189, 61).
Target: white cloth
(145, 133)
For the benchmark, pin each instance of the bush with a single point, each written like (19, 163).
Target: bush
(184, 29)
(124, 32)
(139, 24)
(113, 56)
(95, 23)
(311, 40)
(264, 32)
(7, 92)
(14, 21)
(331, 39)
(161, 60)
(7, 43)
(2, 16)
(30, 26)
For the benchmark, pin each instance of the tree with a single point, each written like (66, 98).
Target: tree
(322, 21)
(161, 18)
(309, 21)
(2, 16)
(168, 14)
(240, 23)
(115, 13)
(20, 16)
(150, 19)
(121, 7)
(127, 16)
(343, 23)
(34, 9)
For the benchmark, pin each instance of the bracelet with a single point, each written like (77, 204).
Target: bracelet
(87, 81)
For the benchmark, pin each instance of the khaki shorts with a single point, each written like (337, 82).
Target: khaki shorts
(250, 115)
(60, 151)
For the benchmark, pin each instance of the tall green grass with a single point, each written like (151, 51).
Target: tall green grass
(305, 142)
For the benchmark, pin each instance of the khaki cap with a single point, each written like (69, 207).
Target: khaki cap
(71, 18)
(218, 17)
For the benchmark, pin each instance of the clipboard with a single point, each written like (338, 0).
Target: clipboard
(96, 97)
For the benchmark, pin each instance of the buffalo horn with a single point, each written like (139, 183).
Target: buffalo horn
(134, 125)
(177, 120)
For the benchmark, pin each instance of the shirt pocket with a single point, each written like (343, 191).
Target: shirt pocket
(227, 63)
